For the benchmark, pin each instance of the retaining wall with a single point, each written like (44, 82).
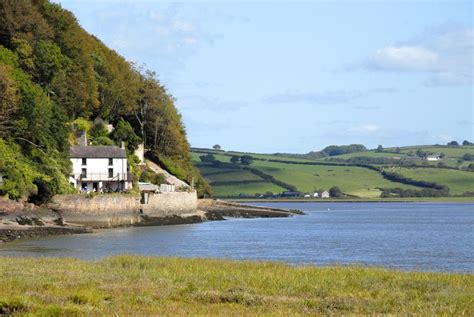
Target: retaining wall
(98, 211)
(170, 204)
(113, 210)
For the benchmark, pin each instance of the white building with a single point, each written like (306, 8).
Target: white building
(435, 157)
(325, 194)
(316, 195)
(99, 168)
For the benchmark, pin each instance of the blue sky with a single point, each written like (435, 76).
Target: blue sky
(281, 76)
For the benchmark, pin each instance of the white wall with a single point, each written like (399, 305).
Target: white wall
(98, 170)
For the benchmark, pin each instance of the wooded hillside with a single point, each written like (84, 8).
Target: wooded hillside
(53, 73)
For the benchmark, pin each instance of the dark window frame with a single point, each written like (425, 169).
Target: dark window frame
(111, 161)
(84, 161)
(111, 172)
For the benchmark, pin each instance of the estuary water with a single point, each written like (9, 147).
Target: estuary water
(405, 236)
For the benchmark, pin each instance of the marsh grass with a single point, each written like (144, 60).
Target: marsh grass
(136, 285)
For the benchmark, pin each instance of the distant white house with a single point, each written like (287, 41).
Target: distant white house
(307, 196)
(434, 157)
(316, 195)
(325, 194)
(99, 168)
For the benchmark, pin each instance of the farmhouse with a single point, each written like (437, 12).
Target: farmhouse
(325, 194)
(434, 157)
(100, 169)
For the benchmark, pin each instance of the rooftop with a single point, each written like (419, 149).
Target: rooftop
(97, 152)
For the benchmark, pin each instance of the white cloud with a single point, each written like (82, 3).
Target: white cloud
(444, 54)
(366, 128)
(404, 58)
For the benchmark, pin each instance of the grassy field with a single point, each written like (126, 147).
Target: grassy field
(352, 180)
(457, 181)
(138, 286)
(355, 181)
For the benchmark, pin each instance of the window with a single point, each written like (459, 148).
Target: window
(84, 161)
(111, 172)
(84, 173)
(111, 161)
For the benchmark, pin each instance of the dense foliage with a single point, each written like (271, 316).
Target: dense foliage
(53, 73)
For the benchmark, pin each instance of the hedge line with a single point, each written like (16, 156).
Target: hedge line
(271, 179)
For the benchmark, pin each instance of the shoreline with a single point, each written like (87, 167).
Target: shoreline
(24, 222)
(456, 200)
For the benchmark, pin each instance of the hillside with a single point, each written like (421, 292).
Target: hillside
(54, 74)
(365, 174)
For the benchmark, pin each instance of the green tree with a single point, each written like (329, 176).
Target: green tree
(246, 159)
(234, 159)
(217, 147)
(379, 148)
(335, 192)
(124, 132)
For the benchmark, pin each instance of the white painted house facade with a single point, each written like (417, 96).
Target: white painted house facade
(99, 169)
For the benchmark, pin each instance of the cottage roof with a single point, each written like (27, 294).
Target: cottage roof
(97, 152)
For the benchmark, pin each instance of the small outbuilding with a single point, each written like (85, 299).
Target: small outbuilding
(325, 194)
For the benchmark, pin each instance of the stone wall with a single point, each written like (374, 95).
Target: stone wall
(110, 210)
(170, 204)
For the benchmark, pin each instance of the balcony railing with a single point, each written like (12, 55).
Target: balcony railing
(102, 177)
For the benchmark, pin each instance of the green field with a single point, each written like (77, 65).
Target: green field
(457, 181)
(145, 286)
(450, 152)
(352, 180)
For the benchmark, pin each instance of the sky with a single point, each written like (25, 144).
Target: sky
(286, 76)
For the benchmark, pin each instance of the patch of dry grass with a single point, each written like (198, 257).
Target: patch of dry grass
(136, 285)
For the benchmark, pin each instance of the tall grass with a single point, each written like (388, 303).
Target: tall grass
(136, 285)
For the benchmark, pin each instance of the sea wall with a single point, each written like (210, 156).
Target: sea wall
(113, 210)
(98, 211)
(170, 204)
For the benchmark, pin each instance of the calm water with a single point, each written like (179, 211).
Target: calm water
(408, 236)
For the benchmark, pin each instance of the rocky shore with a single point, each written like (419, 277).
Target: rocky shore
(218, 209)
(24, 220)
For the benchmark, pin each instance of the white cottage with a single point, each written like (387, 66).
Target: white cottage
(99, 168)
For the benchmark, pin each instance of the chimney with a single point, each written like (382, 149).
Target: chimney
(123, 145)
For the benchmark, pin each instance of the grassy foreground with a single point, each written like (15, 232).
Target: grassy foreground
(135, 285)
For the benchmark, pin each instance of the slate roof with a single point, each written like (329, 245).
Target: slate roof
(97, 152)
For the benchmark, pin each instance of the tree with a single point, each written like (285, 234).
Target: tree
(422, 154)
(379, 148)
(335, 192)
(8, 100)
(442, 155)
(246, 159)
(217, 147)
(124, 132)
(453, 143)
(466, 142)
(234, 159)
(470, 167)
(467, 157)
(208, 158)
(398, 150)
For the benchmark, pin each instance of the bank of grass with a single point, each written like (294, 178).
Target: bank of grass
(136, 285)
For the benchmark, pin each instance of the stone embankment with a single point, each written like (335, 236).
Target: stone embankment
(218, 209)
(67, 214)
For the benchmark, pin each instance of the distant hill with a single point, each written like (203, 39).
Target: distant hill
(391, 172)
(54, 74)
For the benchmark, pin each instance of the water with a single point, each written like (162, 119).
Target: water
(407, 236)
